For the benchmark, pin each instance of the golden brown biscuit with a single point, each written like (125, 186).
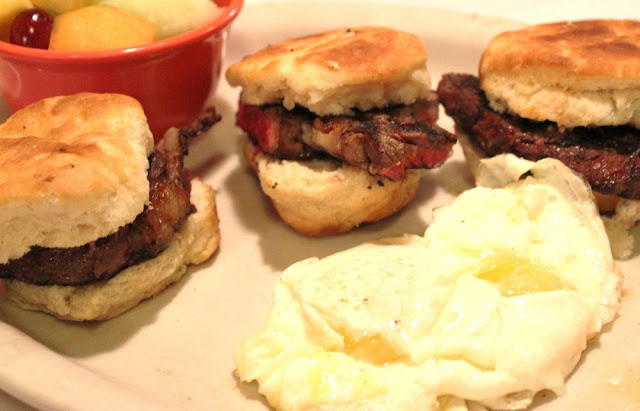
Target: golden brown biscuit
(335, 72)
(580, 73)
(320, 197)
(82, 163)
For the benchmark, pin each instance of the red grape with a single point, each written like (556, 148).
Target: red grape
(32, 28)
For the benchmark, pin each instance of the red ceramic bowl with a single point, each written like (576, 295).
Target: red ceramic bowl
(172, 78)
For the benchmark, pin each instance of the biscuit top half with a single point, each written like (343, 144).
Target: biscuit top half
(587, 48)
(336, 71)
(576, 73)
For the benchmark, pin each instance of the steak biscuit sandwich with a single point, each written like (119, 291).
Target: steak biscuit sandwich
(94, 218)
(567, 90)
(340, 124)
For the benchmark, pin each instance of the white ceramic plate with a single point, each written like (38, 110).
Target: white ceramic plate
(175, 351)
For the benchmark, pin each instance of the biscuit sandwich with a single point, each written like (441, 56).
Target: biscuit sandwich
(566, 90)
(340, 125)
(95, 218)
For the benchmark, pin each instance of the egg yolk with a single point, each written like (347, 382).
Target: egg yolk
(374, 350)
(519, 276)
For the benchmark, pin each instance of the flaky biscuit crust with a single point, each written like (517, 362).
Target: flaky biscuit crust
(580, 73)
(337, 71)
(72, 169)
(323, 197)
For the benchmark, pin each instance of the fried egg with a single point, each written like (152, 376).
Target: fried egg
(494, 303)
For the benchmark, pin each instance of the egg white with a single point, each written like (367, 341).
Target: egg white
(441, 321)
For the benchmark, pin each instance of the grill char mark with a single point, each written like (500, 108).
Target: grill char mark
(607, 157)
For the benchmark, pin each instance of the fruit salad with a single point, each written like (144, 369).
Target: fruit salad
(93, 25)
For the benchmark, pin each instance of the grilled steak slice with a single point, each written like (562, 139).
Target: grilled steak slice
(149, 234)
(607, 157)
(383, 142)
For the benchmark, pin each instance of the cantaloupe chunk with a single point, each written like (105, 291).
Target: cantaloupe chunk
(172, 16)
(55, 7)
(9, 9)
(100, 27)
